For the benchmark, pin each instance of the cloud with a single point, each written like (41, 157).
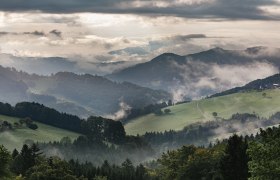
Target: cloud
(121, 113)
(131, 51)
(56, 32)
(234, 126)
(34, 33)
(206, 9)
(52, 65)
(160, 45)
(199, 78)
(186, 37)
(58, 43)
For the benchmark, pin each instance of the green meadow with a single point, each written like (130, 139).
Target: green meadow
(202, 110)
(15, 138)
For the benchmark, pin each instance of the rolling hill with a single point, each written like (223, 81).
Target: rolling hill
(45, 133)
(201, 110)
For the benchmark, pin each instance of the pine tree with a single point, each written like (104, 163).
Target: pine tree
(234, 164)
(15, 153)
(4, 160)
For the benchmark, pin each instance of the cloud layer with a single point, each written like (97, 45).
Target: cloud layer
(225, 9)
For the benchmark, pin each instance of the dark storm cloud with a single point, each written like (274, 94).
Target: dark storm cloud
(226, 9)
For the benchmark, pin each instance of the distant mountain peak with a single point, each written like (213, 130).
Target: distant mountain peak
(166, 56)
(217, 49)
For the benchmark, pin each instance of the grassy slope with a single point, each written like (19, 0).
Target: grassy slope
(202, 110)
(45, 133)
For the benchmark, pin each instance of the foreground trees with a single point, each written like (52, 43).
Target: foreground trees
(24, 160)
(4, 160)
(189, 163)
(234, 163)
(30, 164)
(236, 158)
(265, 155)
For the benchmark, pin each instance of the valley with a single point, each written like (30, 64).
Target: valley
(139, 90)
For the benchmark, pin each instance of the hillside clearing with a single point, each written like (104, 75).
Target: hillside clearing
(45, 133)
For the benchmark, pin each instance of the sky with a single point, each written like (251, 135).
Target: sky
(88, 32)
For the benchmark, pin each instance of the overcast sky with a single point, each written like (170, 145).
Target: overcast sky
(134, 30)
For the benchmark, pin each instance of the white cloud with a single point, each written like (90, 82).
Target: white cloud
(200, 78)
(121, 113)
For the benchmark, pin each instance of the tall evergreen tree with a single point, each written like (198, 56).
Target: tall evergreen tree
(15, 153)
(4, 161)
(234, 163)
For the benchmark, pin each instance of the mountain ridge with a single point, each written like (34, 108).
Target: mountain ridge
(172, 72)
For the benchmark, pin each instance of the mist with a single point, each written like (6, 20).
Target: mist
(121, 113)
(200, 79)
(52, 65)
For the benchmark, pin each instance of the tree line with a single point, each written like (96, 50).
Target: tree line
(152, 108)
(31, 164)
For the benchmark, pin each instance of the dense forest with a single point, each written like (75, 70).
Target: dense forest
(31, 164)
(234, 158)
(238, 157)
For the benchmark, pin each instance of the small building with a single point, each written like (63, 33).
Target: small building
(276, 85)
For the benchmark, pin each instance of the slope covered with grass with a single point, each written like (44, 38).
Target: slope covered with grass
(45, 133)
(181, 115)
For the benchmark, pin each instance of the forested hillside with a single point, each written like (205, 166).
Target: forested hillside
(83, 95)
(238, 157)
